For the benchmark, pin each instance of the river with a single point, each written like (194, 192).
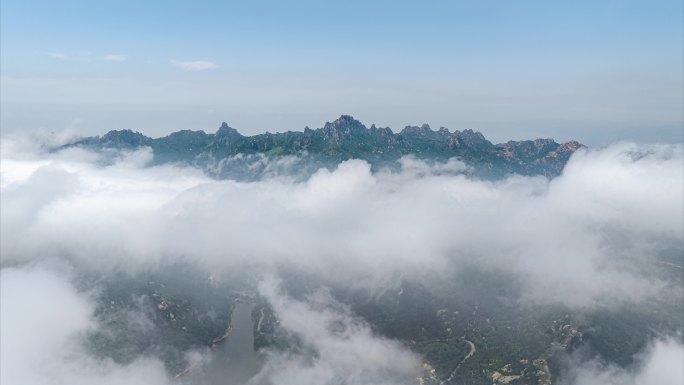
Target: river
(233, 361)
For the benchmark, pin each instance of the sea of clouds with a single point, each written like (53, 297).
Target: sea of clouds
(593, 236)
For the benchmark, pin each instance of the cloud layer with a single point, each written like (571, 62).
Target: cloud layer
(600, 234)
(593, 234)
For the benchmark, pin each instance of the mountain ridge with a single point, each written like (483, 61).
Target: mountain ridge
(347, 138)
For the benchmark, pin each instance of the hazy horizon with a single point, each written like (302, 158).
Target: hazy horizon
(495, 132)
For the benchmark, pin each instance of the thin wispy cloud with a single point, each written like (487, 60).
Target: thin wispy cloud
(87, 57)
(57, 55)
(115, 57)
(193, 66)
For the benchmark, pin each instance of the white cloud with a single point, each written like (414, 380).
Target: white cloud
(57, 55)
(590, 236)
(115, 57)
(345, 349)
(86, 56)
(661, 363)
(193, 66)
(42, 326)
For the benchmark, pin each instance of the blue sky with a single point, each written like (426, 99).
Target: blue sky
(592, 70)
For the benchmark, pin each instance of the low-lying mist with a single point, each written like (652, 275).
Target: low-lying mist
(606, 234)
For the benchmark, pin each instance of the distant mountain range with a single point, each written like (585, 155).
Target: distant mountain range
(229, 154)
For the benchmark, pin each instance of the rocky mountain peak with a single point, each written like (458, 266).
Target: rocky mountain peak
(127, 138)
(225, 130)
(345, 124)
(472, 138)
(423, 130)
(343, 128)
(470, 134)
(571, 146)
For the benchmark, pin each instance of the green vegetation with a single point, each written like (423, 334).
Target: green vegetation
(164, 313)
